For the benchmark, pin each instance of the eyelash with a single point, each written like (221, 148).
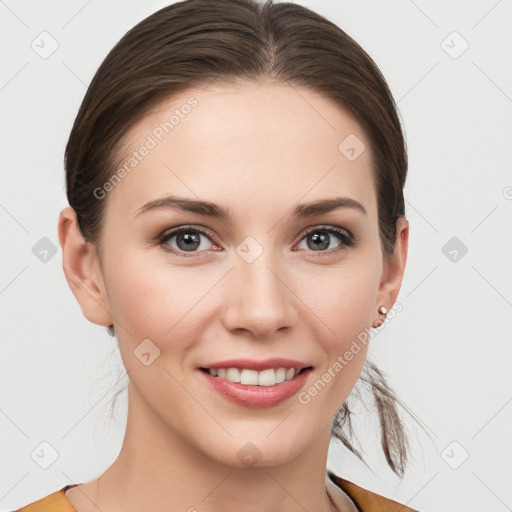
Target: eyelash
(345, 236)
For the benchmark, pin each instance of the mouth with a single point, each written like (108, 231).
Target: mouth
(249, 377)
(256, 383)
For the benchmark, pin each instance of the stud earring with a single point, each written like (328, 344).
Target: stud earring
(383, 310)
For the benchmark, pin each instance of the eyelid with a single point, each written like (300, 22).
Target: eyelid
(346, 237)
(166, 235)
(180, 227)
(350, 239)
(328, 227)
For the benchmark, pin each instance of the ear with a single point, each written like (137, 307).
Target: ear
(82, 270)
(393, 270)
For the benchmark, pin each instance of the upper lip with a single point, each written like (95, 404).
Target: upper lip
(250, 364)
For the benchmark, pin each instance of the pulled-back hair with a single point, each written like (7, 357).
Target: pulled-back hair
(196, 42)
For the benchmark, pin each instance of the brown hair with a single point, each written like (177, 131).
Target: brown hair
(194, 42)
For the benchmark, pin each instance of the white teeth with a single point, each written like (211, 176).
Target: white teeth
(248, 377)
(267, 378)
(280, 375)
(233, 375)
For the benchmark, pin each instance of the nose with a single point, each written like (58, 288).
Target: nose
(258, 298)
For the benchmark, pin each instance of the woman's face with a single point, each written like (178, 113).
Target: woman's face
(275, 278)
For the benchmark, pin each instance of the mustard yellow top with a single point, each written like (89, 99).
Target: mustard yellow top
(365, 501)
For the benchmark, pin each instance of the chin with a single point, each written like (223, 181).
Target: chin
(259, 450)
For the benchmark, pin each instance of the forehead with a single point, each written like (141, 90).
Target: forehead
(251, 142)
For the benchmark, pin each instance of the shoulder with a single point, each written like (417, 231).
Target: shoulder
(367, 501)
(54, 502)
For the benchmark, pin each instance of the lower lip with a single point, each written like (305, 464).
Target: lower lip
(257, 397)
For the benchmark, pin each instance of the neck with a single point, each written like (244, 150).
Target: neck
(157, 469)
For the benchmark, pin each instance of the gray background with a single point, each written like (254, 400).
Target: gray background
(448, 351)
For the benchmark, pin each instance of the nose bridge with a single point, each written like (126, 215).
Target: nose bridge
(257, 297)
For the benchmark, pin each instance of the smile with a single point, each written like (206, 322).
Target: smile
(256, 384)
(245, 376)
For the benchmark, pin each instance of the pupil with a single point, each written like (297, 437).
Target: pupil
(323, 238)
(190, 241)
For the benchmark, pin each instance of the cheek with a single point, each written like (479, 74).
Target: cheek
(343, 299)
(344, 310)
(351, 312)
(152, 298)
(159, 302)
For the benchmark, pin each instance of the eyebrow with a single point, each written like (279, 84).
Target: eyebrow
(215, 211)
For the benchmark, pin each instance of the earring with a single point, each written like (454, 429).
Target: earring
(382, 311)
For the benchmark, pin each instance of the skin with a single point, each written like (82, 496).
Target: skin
(257, 149)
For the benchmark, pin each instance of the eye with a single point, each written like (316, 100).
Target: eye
(320, 238)
(188, 239)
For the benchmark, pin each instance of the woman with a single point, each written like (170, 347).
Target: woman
(235, 178)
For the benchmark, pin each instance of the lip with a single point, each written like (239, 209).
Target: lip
(276, 362)
(257, 397)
